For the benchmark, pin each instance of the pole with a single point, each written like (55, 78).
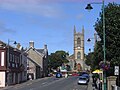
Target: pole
(8, 63)
(104, 73)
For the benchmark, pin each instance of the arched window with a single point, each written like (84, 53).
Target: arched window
(78, 55)
(78, 41)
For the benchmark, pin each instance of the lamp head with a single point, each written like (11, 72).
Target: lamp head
(89, 7)
(15, 42)
(88, 40)
(89, 49)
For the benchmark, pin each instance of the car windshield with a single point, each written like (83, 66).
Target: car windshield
(82, 78)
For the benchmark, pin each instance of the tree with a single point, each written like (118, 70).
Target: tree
(57, 59)
(89, 59)
(112, 33)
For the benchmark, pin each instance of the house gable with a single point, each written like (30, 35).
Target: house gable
(35, 56)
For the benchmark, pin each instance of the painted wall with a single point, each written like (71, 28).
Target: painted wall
(2, 79)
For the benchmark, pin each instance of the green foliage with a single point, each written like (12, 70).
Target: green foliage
(57, 59)
(112, 34)
(89, 59)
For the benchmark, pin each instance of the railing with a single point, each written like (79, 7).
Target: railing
(114, 87)
(118, 88)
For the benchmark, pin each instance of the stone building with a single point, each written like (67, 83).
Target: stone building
(79, 49)
(76, 61)
(37, 61)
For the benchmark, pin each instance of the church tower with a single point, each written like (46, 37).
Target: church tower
(79, 49)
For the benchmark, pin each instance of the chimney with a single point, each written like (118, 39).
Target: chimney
(18, 45)
(45, 50)
(31, 44)
(45, 46)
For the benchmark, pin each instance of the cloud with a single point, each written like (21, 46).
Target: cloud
(79, 16)
(3, 29)
(45, 8)
(37, 7)
(48, 1)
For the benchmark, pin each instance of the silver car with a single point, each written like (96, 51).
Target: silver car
(83, 80)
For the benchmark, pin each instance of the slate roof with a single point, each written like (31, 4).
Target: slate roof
(71, 57)
(33, 61)
(40, 50)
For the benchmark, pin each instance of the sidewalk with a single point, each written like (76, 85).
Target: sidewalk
(90, 84)
(24, 83)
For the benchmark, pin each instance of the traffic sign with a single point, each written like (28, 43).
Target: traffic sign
(116, 70)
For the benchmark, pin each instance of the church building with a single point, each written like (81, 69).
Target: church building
(77, 60)
(79, 49)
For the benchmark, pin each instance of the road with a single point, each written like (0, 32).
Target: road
(50, 83)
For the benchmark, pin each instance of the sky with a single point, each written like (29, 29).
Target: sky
(49, 22)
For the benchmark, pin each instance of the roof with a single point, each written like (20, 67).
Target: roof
(71, 56)
(33, 61)
(40, 50)
(3, 44)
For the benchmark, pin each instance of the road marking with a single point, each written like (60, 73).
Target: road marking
(29, 83)
(44, 83)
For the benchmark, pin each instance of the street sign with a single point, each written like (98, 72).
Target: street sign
(116, 70)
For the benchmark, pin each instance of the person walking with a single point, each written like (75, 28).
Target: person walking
(98, 83)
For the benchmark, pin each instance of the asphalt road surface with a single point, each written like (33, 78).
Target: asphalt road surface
(50, 83)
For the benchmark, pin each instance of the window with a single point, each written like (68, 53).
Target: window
(18, 58)
(13, 65)
(78, 55)
(10, 57)
(2, 58)
(25, 72)
(13, 58)
(78, 42)
(16, 65)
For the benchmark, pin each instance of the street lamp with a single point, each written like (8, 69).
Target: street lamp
(95, 39)
(89, 40)
(8, 57)
(89, 7)
(9, 46)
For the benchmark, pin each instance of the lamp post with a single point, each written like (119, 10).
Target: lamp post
(95, 40)
(8, 57)
(9, 49)
(89, 7)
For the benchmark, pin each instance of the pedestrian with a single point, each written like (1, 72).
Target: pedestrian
(98, 83)
(93, 78)
(66, 75)
(95, 82)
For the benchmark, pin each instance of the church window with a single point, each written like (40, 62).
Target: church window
(78, 41)
(78, 55)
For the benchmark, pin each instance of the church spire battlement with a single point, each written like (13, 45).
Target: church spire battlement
(74, 29)
(83, 30)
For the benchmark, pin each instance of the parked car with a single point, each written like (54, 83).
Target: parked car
(81, 73)
(87, 76)
(58, 75)
(83, 80)
(75, 74)
(50, 74)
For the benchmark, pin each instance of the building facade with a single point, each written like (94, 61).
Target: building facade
(37, 61)
(79, 49)
(11, 66)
